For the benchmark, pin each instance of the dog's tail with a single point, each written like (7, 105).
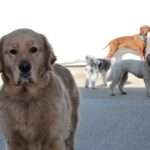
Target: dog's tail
(107, 45)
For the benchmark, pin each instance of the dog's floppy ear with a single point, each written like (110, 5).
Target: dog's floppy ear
(49, 53)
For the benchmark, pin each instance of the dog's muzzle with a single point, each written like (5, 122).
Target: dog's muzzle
(148, 59)
(25, 72)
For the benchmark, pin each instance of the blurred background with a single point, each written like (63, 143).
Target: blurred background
(76, 28)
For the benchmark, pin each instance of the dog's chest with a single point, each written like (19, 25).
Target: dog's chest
(29, 120)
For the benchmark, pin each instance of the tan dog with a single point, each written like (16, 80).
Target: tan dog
(39, 99)
(135, 42)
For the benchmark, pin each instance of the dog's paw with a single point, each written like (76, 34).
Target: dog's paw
(112, 94)
(124, 93)
(93, 88)
(104, 85)
(86, 86)
(148, 94)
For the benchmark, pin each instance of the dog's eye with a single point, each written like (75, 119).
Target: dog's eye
(13, 51)
(33, 50)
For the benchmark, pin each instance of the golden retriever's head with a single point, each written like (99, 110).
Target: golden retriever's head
(25, 57)
(144, 30)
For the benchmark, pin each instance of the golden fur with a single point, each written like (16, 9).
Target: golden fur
(39, 112)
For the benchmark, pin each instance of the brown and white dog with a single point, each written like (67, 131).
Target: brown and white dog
(137, 43)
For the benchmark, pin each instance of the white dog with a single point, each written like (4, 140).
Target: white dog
(94, 67)
(118, 74)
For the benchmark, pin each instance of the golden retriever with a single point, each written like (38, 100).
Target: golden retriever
(39, 99)
(135, 42)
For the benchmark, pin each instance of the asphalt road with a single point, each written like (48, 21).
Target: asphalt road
(112, 123)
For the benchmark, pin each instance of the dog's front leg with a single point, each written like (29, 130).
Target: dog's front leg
(104, 78)
(94, 77)
(86, 83)
(122, 83)
(55, 145)
(17, 144)
(88, 75)
(112, 87)
(147, 85)
(147, 78)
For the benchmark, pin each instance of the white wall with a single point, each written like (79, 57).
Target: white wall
(75, 28)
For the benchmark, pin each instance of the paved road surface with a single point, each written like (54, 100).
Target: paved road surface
(113, 123)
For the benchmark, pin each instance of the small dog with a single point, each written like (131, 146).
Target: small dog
(95, 66)
(135, 43)
(118, 73)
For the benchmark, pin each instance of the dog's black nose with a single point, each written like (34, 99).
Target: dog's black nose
(25, 66)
